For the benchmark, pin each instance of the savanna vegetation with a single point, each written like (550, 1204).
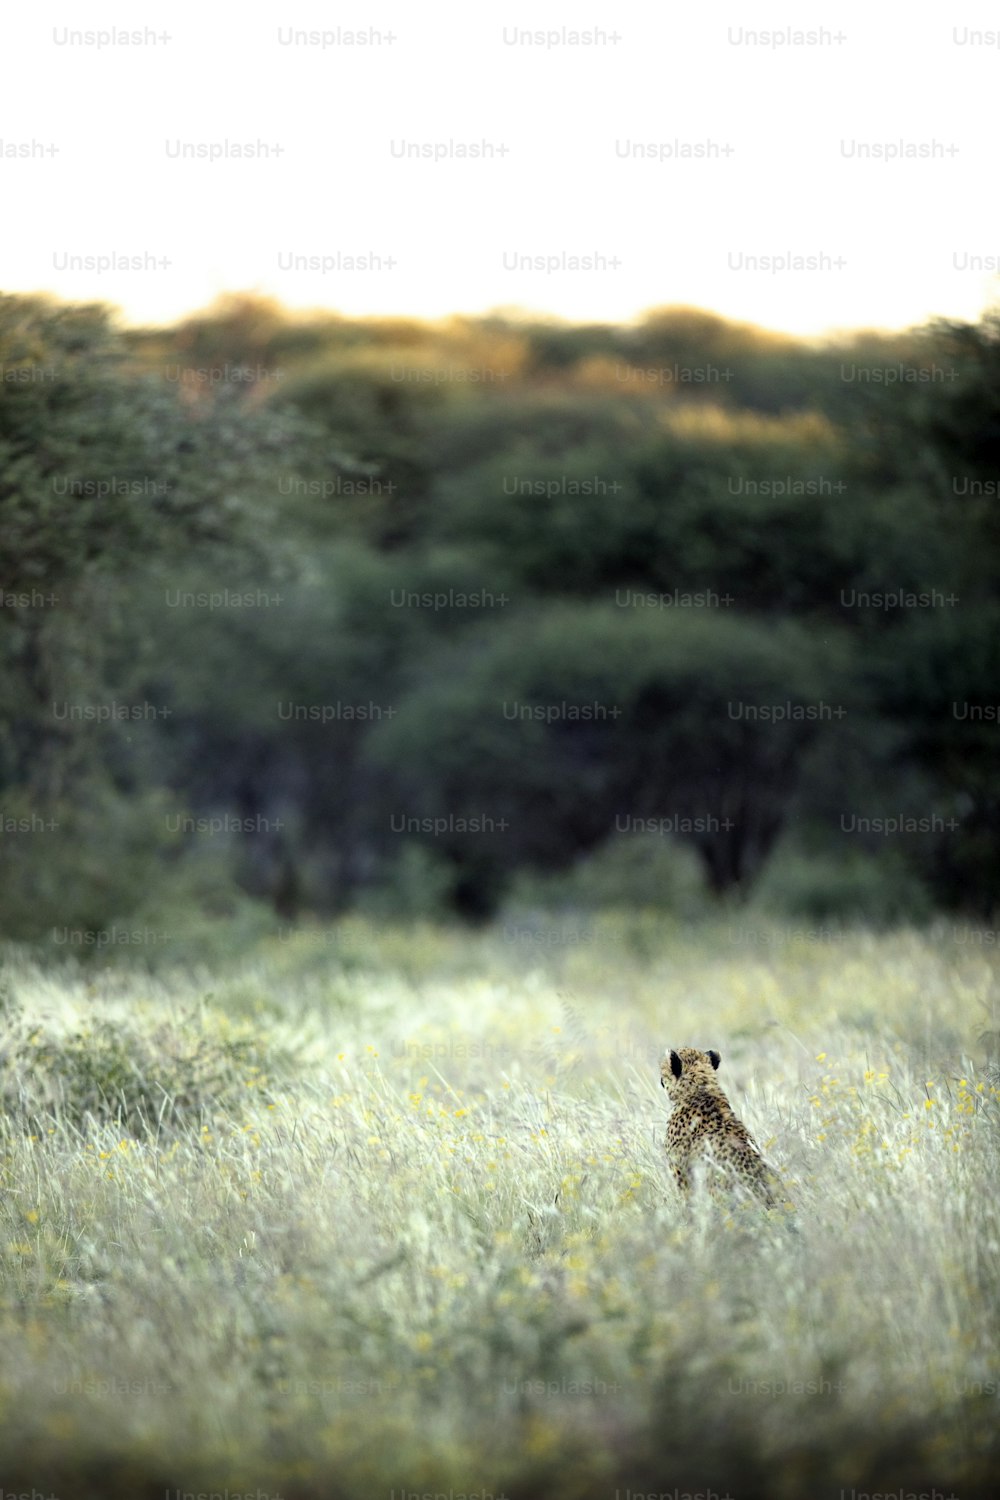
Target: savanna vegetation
(318, 614)
(382, 1211)
(407, 732)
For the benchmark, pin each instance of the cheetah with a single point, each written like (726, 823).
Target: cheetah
(703, 1128)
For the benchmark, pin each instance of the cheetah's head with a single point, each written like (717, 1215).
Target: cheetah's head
(683, 1070)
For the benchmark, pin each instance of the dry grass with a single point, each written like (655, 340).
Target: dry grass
(389, 1212)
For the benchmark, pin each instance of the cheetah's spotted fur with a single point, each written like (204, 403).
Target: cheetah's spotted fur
(703, 1128)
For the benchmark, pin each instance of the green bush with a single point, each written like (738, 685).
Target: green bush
(878, 890)
(141, 1079)
(79, 867)
(415, 885)
(631, 871)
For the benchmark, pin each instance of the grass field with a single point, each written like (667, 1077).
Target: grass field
(375, 1212)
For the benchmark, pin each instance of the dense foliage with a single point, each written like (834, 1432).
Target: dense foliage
(321, 611)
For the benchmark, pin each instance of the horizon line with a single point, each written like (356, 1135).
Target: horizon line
(510, 313)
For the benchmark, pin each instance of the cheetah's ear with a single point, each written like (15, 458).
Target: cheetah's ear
(714, 1058)
(676, 1066)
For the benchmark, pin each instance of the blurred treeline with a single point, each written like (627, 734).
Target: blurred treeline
(343, 476)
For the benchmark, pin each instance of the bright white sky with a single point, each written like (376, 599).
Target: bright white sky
(678, 228)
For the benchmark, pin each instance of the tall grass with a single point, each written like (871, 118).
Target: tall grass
(378, 1211)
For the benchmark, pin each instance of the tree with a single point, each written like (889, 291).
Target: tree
(532, 741)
